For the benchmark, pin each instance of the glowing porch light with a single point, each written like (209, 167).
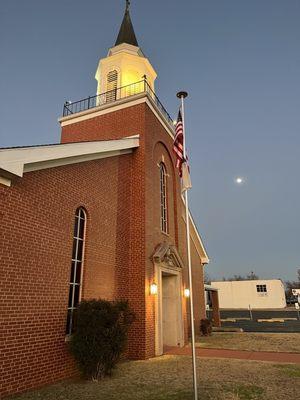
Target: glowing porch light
(153, 288)
(186, 292)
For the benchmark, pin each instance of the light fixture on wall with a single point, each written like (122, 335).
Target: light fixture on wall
(153, 288)
(186, 292)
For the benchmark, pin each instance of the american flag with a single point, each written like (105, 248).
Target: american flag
(178, 143)
(181, 162)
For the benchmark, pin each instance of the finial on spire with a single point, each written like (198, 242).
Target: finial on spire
(127, 5)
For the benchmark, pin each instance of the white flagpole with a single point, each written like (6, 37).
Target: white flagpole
(182, 96)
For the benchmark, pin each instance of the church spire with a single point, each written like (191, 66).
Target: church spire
(125, 64)
(126, 33)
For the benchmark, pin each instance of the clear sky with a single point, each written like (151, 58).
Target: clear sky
(240, 62)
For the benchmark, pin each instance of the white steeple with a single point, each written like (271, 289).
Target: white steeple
(125, 64)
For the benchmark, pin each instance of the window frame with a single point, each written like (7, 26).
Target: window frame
(75, 282)
(164, 225)
(262, 288)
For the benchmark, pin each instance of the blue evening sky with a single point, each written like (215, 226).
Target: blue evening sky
(240, 62)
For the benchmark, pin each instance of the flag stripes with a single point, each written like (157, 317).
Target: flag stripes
(181, 161)
(178, 143)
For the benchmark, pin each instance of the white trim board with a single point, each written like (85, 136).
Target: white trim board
(118, 105)
(14, 162)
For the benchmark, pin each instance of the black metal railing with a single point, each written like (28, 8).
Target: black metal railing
(111, 96)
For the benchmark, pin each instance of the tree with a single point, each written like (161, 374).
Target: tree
(289, 285)
(207, 278)
(250, 277)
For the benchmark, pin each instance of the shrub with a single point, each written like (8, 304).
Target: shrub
(206, 327)
(100, 336)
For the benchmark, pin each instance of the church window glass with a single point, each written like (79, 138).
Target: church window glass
(163, 198)
(261, 288)
(76, 268)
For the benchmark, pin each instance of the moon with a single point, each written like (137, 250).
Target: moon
(239, 180)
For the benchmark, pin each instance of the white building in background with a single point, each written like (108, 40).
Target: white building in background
(256, 294)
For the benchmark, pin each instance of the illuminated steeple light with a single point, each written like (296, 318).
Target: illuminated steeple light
(126, 33)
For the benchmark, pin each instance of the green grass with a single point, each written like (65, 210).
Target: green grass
(246, 392)
(282, 342)
(170, 378)
(290, 370)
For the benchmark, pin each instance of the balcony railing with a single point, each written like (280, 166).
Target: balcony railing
(115, 95)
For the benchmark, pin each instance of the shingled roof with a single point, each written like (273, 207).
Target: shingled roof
(126, 33)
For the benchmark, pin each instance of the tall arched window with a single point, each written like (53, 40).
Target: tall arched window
(163, 198)
(111, 87)
(76, 267)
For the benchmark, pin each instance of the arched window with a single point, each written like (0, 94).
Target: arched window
(111, 87)
(76, 267)
(163, 198)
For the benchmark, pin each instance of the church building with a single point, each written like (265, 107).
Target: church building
(99, 215)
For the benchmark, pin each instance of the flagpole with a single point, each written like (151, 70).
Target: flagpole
(182, 96)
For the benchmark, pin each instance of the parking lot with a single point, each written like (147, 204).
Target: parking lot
(261, 320)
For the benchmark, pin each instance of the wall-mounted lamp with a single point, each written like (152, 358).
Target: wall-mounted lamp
(186, 292)
(153, 288)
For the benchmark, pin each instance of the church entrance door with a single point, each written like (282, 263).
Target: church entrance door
(169, 327)
(170, 315)
(169, 321)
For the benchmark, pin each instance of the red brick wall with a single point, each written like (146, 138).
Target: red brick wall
(121, 197)
(198, 288)
(114, 125)
(158, 141)
(155, 143)
(197, 274)
(37, 220)
(159, 148)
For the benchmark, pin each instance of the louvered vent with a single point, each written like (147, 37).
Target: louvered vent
(112, 84)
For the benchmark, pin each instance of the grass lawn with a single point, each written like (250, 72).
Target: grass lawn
(170, 378)
(284, 342)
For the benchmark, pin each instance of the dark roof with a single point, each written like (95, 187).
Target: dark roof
(31, 145)
(126, 33)
(58, 144)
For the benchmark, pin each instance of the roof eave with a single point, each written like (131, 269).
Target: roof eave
(15, 162)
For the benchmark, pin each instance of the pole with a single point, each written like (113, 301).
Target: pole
(182, 96)
(250, 312)
(297, 308)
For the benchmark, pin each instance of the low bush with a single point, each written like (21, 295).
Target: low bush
(206, 327)
(100, 336)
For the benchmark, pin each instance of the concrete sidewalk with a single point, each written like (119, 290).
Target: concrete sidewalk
(275, 357)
